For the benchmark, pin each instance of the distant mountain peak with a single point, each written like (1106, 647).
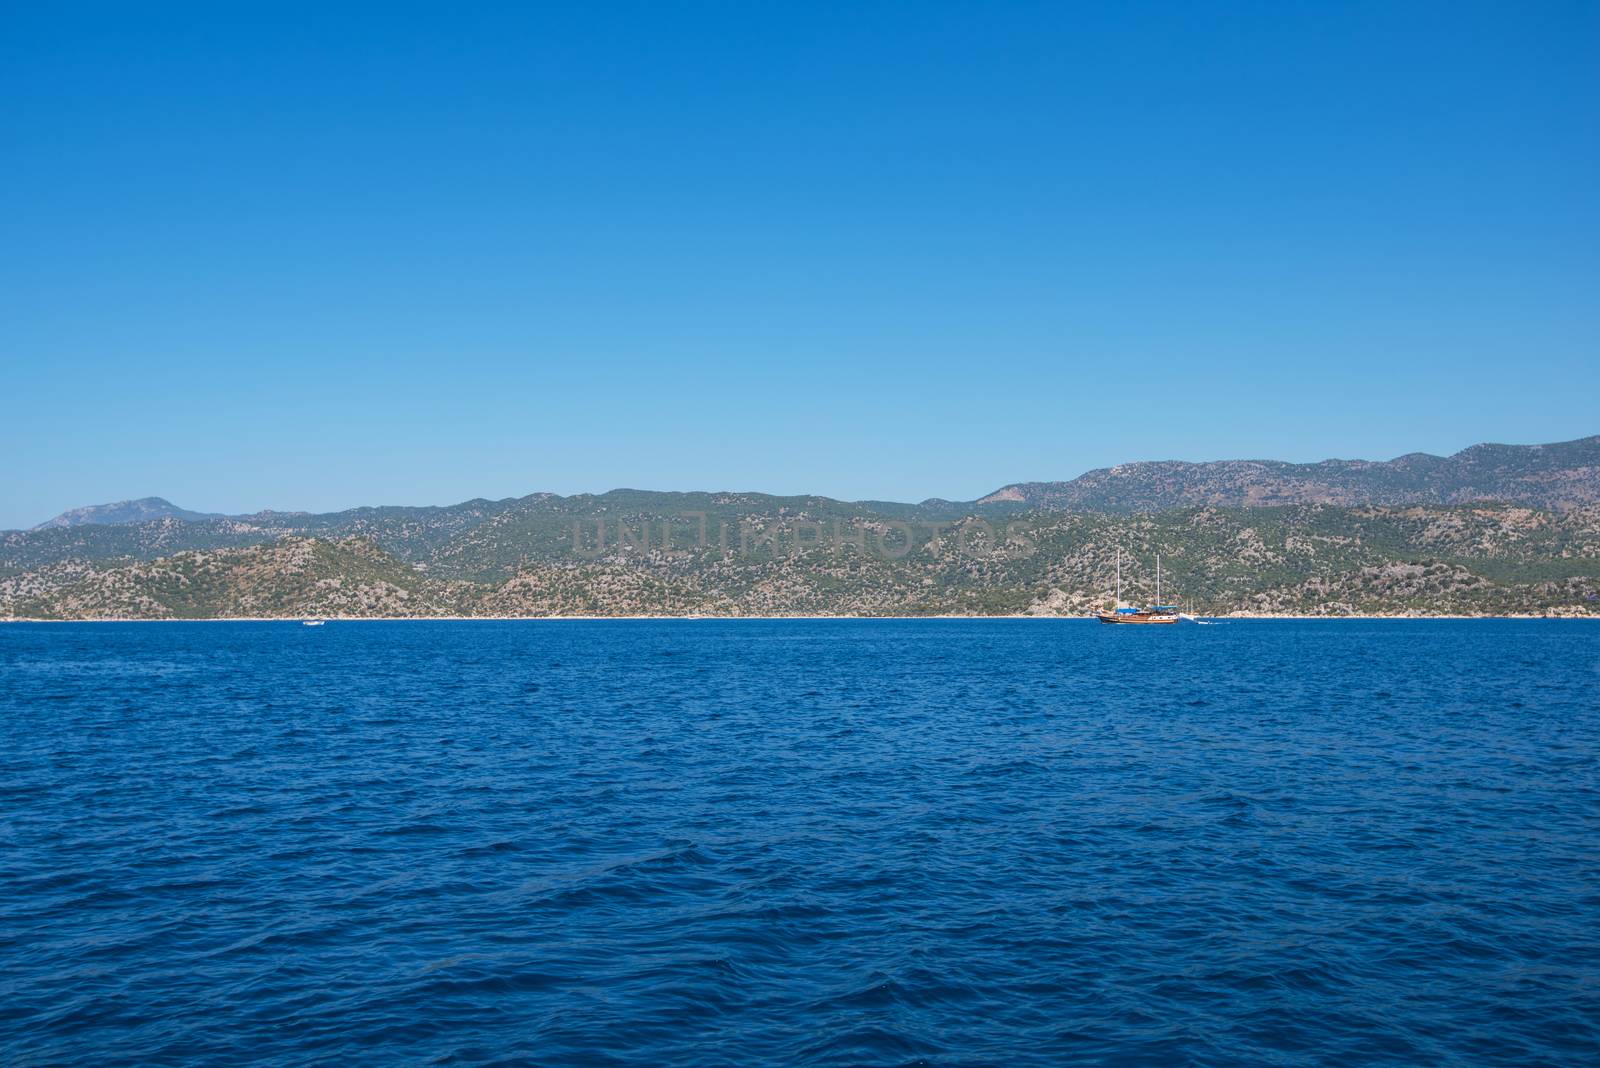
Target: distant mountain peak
(142, 510)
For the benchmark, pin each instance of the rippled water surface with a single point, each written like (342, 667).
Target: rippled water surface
(786, 842)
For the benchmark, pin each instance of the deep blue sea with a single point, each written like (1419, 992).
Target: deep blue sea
(800, 842)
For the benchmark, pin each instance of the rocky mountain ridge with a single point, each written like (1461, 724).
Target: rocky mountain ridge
(1560, 475)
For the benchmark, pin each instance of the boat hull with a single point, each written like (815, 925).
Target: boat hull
(1135, 617)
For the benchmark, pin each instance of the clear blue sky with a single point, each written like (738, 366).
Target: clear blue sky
(316, 256)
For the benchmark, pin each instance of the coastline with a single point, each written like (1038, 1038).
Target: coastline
(731, 619)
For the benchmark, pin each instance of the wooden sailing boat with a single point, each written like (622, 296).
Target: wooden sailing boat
(1159, 613)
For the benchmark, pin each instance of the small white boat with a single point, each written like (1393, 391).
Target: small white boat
(312, 622)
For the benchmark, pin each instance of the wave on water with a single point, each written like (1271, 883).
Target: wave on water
(800, 842)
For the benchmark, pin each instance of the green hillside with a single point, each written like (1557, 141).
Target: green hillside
(742, 554)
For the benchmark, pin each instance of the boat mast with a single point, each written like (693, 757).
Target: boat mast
(1119, 578)
(1158, 578)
